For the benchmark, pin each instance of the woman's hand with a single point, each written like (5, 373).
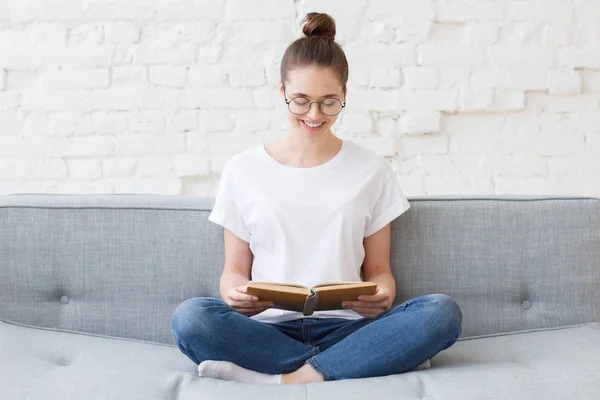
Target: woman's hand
(371, 306)
(244, 303)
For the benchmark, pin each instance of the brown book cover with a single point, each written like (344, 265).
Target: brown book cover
(321, 297)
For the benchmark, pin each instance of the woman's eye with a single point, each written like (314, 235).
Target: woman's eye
(301, 102)
(329, 103)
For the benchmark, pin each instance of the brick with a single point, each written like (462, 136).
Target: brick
(206, 75)
(555, 137)
(75, 78)
(509, 78)
(573, 57)
(86, 34)
(83, 147)
(220, 143)
(121, 32)
(68, 123)
(450, 54)
(118, 167)
(456, 76)
(259, 9)
(413, 145)
(84, 188)
(245, 76)
(360, 74)
(150, 144)
(507, 100)
(196, 142)
(420, 122)
(221, 97)
(37, 10)
(183, 10)
(561, 102)
(590, 80)
(149, 122)
(382, 146)
(183, 121)
(415, 30)
(11, 123)
(519, 33)
(17, 168)
(386, 126)
(153, 166)
(378, 31)
(420, 77)
(47, 33)
(159, 185)
(530, 10)
(447, 184)
(475, 100)
(357, 122)
(252, 121)
(191, 165)
(360, 100)
(522, 56)
(461, 11)
(79, 55)
(84, 169)
(386, 54)
(167, 75)
(564, 82)
(432, 100)
(109, 10)
(110, 122)
(25, 147)
(198, 31)
(524, 186)
(215, 121)
(9, 100)
(482, 33)
(394, 10)
(161, 54)
(266, 98)
(54, 169)
(557, 34)
(20, 80)
(388, 77)
(129, 75)
(587, 12)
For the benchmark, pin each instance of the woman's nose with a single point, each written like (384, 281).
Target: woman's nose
(314, 112)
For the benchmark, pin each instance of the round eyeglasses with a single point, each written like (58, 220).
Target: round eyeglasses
(301, 105)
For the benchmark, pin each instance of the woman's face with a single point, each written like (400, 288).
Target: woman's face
(312, 84)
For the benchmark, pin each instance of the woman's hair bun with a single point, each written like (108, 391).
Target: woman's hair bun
(318, 24)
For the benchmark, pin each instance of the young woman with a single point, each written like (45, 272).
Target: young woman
(309, 208)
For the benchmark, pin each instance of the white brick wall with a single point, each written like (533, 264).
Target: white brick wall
(146, 96)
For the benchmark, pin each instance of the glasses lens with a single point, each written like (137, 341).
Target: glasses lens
(330, 107)
(299, 105)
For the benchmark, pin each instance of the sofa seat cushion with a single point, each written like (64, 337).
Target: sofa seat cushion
(46, 364)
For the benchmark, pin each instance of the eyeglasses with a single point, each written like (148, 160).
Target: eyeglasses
(301, 105)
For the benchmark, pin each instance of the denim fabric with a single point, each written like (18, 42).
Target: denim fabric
(396, 341)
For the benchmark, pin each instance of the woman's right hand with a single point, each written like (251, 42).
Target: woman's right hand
(240, 301)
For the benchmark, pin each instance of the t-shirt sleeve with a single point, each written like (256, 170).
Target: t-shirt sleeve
(227, 210)
(390, 204)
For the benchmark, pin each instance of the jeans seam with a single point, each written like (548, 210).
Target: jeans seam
(318, 368)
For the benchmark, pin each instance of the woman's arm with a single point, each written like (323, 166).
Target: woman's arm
(238, 263)
(376, 268)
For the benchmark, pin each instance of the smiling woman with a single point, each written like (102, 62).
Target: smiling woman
(304, 209)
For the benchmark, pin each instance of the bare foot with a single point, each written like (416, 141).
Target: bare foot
(304, 374)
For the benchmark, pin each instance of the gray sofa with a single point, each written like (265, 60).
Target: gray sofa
(88, 284)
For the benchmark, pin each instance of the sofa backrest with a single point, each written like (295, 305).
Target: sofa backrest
(119, 265)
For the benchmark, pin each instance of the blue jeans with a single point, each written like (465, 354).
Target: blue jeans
(396, 341)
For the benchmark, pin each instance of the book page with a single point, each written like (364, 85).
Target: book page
(339, 285)
(280, 287)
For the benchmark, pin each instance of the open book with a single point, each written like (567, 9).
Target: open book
(324, 296)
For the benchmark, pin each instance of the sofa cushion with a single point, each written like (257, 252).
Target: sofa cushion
(46, 364)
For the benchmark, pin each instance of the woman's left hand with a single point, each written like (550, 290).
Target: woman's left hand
(370, 306)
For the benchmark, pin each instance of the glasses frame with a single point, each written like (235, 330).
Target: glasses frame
(343, 103)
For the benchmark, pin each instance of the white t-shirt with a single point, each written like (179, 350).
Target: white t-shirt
(307, 225)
